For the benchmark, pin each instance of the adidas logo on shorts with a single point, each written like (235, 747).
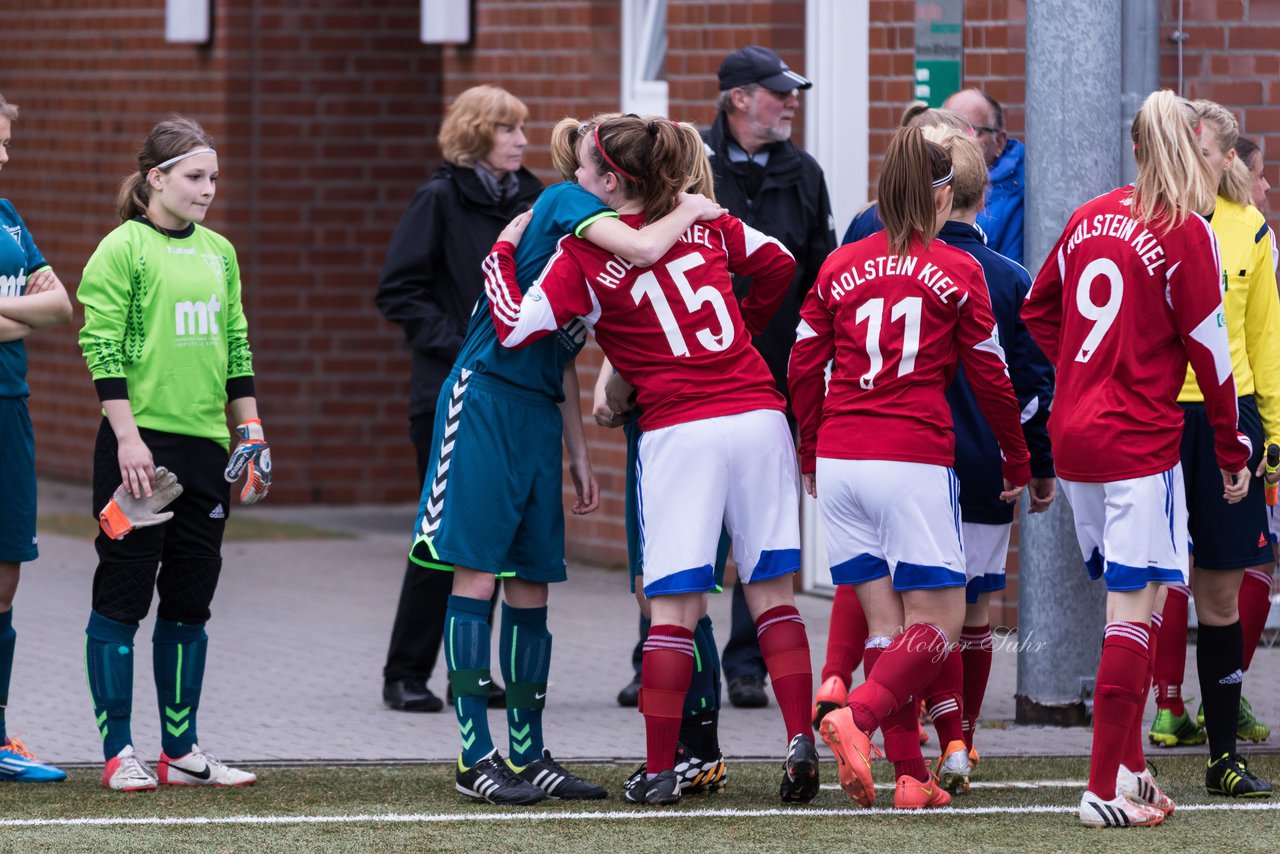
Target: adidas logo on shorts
(218, 512)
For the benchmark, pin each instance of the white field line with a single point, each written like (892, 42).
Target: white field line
(616, 815)
(996, 784)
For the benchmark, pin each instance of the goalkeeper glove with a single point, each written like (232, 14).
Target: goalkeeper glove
(252, 457)
(123, 512)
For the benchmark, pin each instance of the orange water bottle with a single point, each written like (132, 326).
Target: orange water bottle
(1273, 465)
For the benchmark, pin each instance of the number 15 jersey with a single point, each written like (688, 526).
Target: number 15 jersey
(672, 330)
(896, 327)
(1119, 307)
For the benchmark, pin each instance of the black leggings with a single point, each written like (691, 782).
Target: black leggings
(181, 558)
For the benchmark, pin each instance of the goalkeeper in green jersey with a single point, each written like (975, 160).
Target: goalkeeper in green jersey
(166, 342)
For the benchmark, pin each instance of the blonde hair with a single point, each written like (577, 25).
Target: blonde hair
(471, 121)
(1173, 176)
(566, 136)
(1236, 184)
(7, 110)
(167, 140)
(700, 178)
(920, 115)
(905, 189)
(969, 184)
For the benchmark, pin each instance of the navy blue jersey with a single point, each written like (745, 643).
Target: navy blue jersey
(19, 258)
(563, 208)
(977, 462)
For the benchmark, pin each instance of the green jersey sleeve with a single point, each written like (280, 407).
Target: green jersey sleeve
(113, 331)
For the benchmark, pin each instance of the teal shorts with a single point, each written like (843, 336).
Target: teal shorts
(18, 493)
(635, 557)
(492, 497)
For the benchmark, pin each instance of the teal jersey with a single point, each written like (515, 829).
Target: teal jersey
(562, 209)
(19, 258)
(163, 313)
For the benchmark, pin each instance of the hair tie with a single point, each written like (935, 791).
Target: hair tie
(1196, 130)
(609, 160)
(173, 160)
(945, 179)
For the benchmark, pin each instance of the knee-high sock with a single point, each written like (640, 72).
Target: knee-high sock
(525, 650)
(700, 724)
(1117, 692)
(664, 682)
(846, 637)
(901, 743)
(1219, 659)
(108, 663)
(8, 637)
(1255, 604)
(1134, 756)
(178, 655)
(466, 644)
(911, 662)
(944, 700)
(785, 647)
(1171, 651)
(975, 653)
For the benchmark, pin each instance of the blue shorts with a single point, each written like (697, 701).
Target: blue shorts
(1223, 536)
(492, 496)
(18, 493)
(635, 556)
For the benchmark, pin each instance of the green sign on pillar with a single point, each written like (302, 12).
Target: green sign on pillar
(939, 49)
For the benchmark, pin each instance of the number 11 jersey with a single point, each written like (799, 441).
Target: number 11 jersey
(672, 330)
(1119, 307)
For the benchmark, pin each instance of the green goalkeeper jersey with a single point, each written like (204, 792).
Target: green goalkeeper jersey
(162, 313)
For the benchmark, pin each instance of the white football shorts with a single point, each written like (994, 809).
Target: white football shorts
(885, 517)
(986, 548)
(735, 471)
(1132, 532)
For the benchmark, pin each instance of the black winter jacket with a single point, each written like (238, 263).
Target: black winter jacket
(791, 205)
(432, 275)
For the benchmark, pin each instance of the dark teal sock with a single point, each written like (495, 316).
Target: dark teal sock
(7, 639)
(699, 727)
(466, 646)
(108, 664)
(178, 654)
(525, 647)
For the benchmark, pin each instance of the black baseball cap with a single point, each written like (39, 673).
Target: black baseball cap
(755, 64)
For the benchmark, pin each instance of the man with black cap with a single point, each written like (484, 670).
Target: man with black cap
(775, 187)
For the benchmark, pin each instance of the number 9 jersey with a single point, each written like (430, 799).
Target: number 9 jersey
(1119, 307)
(896, 327)
(672, 330)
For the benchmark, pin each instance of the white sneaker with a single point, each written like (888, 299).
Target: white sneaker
(1141, 787)
(198, 768)
(1119, 812)
(125, 772)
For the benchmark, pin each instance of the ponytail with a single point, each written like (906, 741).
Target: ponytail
(699, 177)
(649, 156)
(1173, 176)
(913, 168)
(1236, 184)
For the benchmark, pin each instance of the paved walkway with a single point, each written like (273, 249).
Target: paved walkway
(300, 631)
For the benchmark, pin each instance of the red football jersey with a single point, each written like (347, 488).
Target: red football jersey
(896, 327)
(1119, 307)
(673, 330)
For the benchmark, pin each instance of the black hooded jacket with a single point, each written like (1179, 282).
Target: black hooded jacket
(432, 276)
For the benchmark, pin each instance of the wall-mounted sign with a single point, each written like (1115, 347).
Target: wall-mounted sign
(939, 49)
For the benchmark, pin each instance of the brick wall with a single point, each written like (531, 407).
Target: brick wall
(325, 122)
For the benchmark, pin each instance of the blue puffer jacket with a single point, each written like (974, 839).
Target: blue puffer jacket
(1001, 218)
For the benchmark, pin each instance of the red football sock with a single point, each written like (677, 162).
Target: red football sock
(785, 648)
(1135, 757)
(975, 651)
(1171, 660)
(1116, 697)
(665, 673)
(846, 637)
(911, 662)
(902, 745)
(944, 700)
(1255, 604)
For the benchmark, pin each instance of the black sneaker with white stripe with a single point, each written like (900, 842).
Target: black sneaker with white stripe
(1117, 812)
(800, 775)
(662, 790)
(491, 780)
(549, 776)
